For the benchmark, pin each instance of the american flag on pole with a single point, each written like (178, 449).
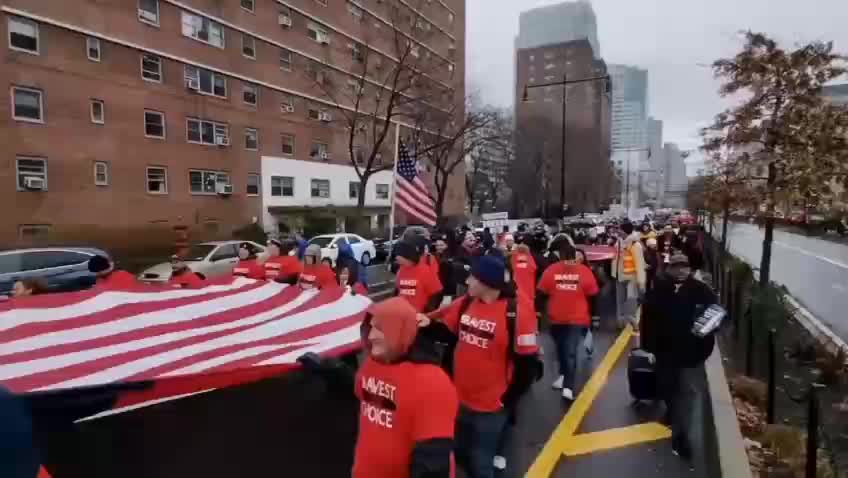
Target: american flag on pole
(411, 194)
(149, 344)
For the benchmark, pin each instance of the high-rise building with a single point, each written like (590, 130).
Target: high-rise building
(560, 23)
(652, 173)
(629, 107)
(676, 179)
(208, 114)
(539, 125)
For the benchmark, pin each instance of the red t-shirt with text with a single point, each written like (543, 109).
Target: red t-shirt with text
(282, 267)
(482, 369)
(400, 404)
(418, 284)
(117, 280)
(524, 273)
(317, 276)
(186, 280)
(250, 269)
(569, 286)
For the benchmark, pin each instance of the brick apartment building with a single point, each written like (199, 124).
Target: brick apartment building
(588, 173)
(125, 115)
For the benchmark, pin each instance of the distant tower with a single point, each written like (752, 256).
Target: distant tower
(560, 23)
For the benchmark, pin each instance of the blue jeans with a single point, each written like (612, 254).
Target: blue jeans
(567, 339)
(477, 438)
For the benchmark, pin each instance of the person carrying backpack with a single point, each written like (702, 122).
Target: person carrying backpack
(495, 359)
(569, 286)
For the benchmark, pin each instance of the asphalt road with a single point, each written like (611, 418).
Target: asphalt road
(814, 270)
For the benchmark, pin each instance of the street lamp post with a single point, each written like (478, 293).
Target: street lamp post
(564, 83)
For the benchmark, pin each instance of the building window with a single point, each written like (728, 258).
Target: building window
(250, 94)
(92, 48)
(206, 182)
(382, 191)
(27, 105)
(318, 33)
(154, 124)
(23, 35)
(253, 182)
(550, 66)
(320, 188)
(151, 68)
(207, 132)
(251, 139)
(288, 144)
(206, 82)
(101, 173)
(248, 46)
(322, 2)
(314, 114)
(353, 189)
(549, 55)
(287, 104)
(319, 150)
(356, 52)
(98, 112)
(315, 73)
(157, 180)
(359, 155)
(282, 186)
(203, 29)
(285, 59)
(148, 11)
(33, 232)
(249, 5)
(355, 11)
(450, 18)
(31, 173)
(284, 18)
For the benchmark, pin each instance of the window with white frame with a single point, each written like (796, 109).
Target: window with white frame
(154, 124)
(353, 189)
(318, 33)
(92, 48)
(207, 82)
(282, 186)
(151, 68)
(248, 46)
(382, 191)
(320, 150)
(207, 132)
(359, 154)
(203, 29)
(249, 5)
(251, 139)
(31, 173)
(250, 94)
(320, 188)
(202, 181)
(148, 11)
(254, 182)
(101, 173)
(314, 114)
(550, 66)
(315, 72)
(287, 141)
(33, 232)
(98, 112)
(27, 104)
(357, 52)
(285, 59)
(284, 18)
(354, 10)
(157, 180)
(23, 35)
(287, 104)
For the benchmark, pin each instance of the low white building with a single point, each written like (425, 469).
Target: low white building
(314, 197)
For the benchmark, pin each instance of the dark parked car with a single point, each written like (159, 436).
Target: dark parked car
(64, 268)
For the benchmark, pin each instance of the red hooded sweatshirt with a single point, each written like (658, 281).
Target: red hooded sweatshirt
(524, 270)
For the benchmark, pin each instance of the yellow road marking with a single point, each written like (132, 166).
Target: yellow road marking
(550, 455)
(616, 438)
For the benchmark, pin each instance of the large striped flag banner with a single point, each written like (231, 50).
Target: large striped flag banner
(411, 194)
(150, 344)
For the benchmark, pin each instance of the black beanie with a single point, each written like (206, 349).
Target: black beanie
(408, 250)
(98, 264)
(491, 271)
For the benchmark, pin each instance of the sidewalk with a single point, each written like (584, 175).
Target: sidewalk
(601, 433)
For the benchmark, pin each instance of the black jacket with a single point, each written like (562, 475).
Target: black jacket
(667, 320)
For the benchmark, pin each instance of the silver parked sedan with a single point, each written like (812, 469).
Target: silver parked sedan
(208, 259)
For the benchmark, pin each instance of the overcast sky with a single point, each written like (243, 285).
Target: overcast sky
(672, 39)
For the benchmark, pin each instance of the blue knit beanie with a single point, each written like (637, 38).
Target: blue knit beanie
(491, 271)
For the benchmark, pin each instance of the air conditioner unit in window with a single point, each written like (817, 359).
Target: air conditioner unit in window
(224, 189)
(33, 183)
(284, 20)
(192, 84)
(323, 39)
(287, 108)
(222, 140)
(324, 156)
(325, 117)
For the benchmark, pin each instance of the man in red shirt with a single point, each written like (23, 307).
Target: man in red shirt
(569, 286)
(182, 277)
(281, 266)
(316, 274)
(416, 281)
(248, 267)
(108, 277)
(491, 369)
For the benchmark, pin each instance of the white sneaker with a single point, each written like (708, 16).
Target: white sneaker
(558, 383)
(567, 394)
(499, 462)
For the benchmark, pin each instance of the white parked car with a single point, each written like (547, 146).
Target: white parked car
(363, 249)
(209, 259)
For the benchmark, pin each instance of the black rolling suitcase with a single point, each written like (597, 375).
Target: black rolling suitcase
(642, 375)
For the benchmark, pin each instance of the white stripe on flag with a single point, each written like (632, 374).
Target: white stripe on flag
(419, 193)
(326, 342)
(414, 211)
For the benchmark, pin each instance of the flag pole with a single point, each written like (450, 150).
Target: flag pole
(392, 198)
